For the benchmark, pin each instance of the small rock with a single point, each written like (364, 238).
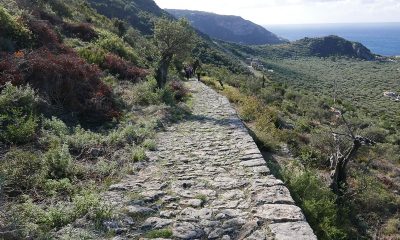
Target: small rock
(216, 233)
(226, 237)
(118, 187)
(192, 202)
(259, 235)
(185, 230)
(156, 223)
(136, 210)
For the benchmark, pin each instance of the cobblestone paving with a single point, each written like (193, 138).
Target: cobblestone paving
(207, 180)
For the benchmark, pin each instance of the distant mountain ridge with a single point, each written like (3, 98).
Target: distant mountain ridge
(228, 28)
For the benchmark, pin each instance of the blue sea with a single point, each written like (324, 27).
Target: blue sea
(381, 38)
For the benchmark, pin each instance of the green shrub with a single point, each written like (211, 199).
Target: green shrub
(89, 203)
(105, 168)
(59, 162)
(116, 45)
(92, 55)
(13, 32)
(161, 233)
(36, 221)
(62, 186)
(83, 139)
(318, 204)
(138, 154)
(150, 144)
(18, 119)
(146, 93)
(392, 226)
(249, 108)
(22, 170)
(55, 126)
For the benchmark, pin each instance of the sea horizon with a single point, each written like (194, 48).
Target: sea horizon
(380, 38)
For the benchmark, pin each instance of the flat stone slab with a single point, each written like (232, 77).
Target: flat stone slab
(274, 194)
(292, 230)
(279, 213)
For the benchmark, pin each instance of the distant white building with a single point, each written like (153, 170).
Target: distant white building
(392, 95)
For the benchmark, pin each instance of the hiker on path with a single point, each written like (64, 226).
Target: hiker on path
(187, 73)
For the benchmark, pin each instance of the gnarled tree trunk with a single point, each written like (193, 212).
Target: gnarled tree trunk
(162, 71)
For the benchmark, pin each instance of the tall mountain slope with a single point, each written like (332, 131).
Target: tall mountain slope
(138, 13)
(228, 28)
(141, 14)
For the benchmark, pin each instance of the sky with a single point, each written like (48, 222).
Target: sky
(267, 12)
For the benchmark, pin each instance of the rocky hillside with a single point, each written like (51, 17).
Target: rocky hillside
(228, 28)
(334, 45)
(308, 47)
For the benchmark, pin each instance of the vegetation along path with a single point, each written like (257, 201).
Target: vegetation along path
(207, 180)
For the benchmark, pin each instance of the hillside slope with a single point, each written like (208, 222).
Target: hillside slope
(328, 46)
(228, 28)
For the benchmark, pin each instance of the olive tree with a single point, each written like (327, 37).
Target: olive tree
(174, 39)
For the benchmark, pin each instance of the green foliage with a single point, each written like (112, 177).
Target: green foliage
(83, 139)
(138, 154)
(53, 187)
(318, 204)
(92, 54)
(174, 39)
(14, 34)
(37, 220)
(150, 144)
(114, 44)
(18, 119)
(22, 170)
(392, 227)
(161, 233)
(59, 162)
(89, 203)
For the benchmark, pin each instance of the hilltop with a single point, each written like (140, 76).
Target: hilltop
(228, 28)
(329, 46)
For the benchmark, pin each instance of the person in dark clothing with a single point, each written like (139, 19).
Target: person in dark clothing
(187, 73)
(198, 76)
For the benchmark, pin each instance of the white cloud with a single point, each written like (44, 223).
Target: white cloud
(296, 11)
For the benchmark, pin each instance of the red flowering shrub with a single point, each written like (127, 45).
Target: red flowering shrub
(179, 90)
(66, 81)
(9, 72)
(44, 34)
(82, 31)
(124, 69)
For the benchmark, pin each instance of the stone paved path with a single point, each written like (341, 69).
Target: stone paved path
(207, 180)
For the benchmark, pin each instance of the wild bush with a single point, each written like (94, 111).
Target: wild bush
(14, 34)
(124, 69)
(44, 35)
(145, 93)
(318, 204)
(83, 31)
(179, 90)
(92, 54)
(59, 162)
(22, 171)
(70, 85)
(9, 71)
(117, 46)
(18, 114)
(138, 154)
